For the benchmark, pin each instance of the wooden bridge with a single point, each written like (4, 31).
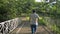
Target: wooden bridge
(21, 26)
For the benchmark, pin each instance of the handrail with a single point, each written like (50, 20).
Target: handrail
(8, 26)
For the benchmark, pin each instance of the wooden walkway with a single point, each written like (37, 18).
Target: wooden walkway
(24, 28)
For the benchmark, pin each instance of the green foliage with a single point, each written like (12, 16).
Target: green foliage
(14, 8)
(41, 22)
(6, 11)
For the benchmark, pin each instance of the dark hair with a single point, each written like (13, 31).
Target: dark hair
(33, 11)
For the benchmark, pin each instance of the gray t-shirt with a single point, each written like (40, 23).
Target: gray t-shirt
(34, 19)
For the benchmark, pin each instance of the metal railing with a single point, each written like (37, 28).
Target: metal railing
(8, 26)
